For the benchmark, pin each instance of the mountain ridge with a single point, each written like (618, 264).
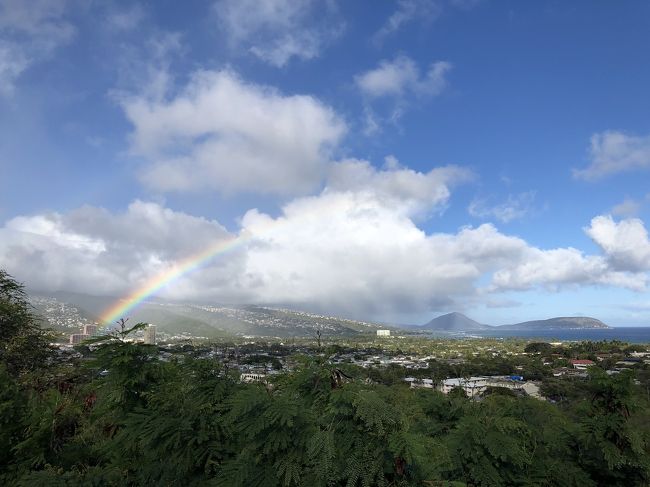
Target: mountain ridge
(456, 321)
(558, 323)
(207, 320)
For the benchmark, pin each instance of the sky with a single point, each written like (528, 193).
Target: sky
(377, 160)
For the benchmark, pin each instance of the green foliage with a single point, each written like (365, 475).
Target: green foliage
(490, 448)
(538, 347)
(130, 417)
(499, 391)
(612, 449)
(51, 428)
(192, 443)
(564, 390)
(24, 345)
(13, 403)
(126, 369)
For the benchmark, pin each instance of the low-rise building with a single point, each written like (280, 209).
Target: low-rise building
(569, 372)
(474, 386)
(582, 364)
(640, 354)
(252, 377)
(383, 333)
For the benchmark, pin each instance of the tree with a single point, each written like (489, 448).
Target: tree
(125, 369)
(505, 441)
(182, 423)
(12, 410)
(538, 347)
(614, 447)
(24, 345)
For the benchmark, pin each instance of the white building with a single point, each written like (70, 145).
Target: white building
(150, 335)
(383, 333)
(252, 377)
(474, 386)
(581, 364)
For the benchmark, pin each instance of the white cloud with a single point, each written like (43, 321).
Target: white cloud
(30, 30)
(417, 11)
(349, 250)
(626, 208)
(398, 81)
(224, 134)
(400, 188)
(35, 17)
(371, 123)
(278, 30)
(624, 262)
(408, 11)
(145, 67)
(615, 152)
(355, 248)
(625, 243)
(515, 207)
(13, 61)
(401, 77)
(127, 19)
(94, 251)
(555, 268)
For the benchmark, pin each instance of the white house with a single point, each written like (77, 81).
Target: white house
(474, 386)
(252, 377)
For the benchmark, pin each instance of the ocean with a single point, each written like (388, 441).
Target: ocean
(639, 334)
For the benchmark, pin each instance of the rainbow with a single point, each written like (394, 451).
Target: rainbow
(265, 227)
(121, 307)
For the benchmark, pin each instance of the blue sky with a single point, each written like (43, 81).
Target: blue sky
(410, 158)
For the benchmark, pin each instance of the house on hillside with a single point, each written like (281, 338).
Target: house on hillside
(252, 377)
(473, 386)
(582, 364)
(569, 372)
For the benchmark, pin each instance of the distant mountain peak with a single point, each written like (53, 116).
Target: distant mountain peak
(454, 321)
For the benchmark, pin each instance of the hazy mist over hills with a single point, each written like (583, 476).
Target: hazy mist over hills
(193, 319)
(209, 321)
